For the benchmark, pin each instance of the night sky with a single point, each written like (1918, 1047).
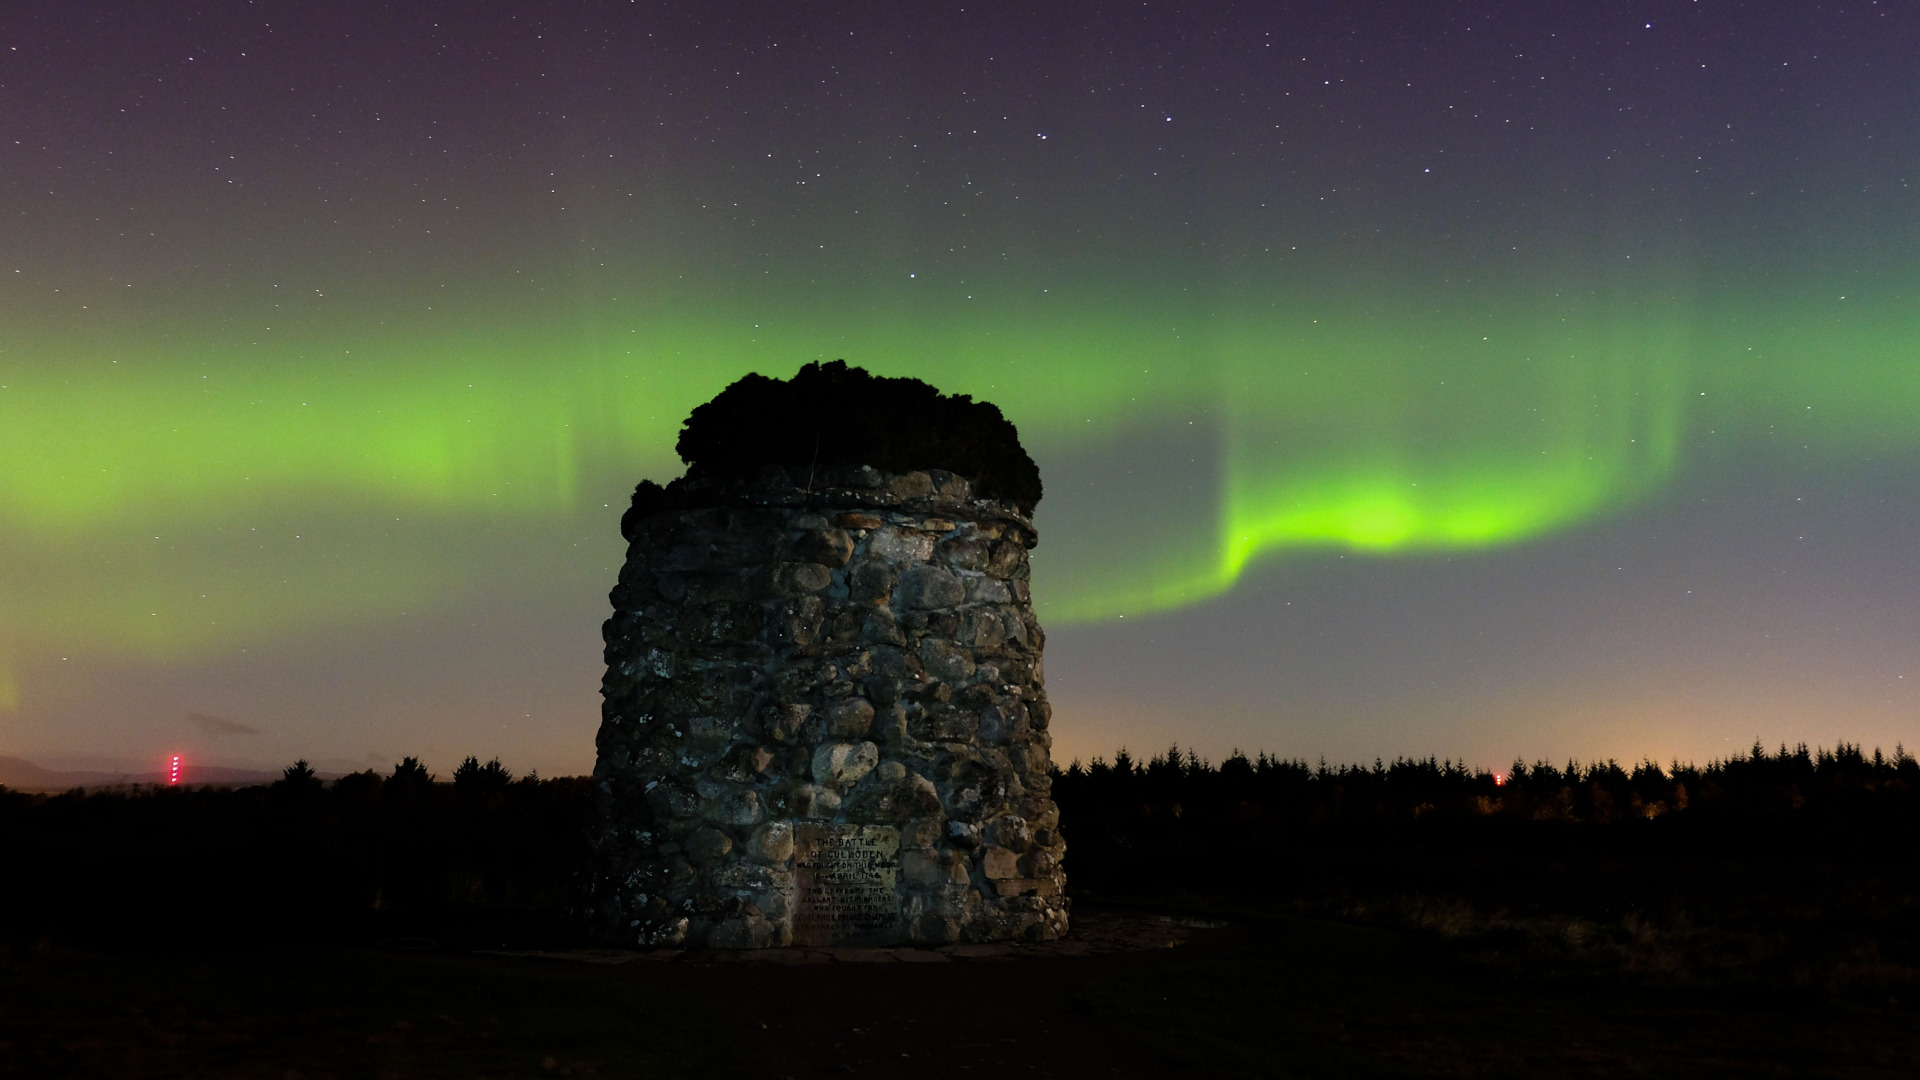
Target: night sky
(1483, 380)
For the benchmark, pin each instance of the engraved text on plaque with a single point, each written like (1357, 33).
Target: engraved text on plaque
(845, 879)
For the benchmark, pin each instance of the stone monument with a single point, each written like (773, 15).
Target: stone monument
(824, 721)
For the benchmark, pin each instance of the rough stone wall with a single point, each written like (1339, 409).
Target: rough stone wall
(824, 720)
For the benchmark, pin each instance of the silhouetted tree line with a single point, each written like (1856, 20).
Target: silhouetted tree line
(365, 853)
(1740, 844)
(491, 858)
(1178, 785)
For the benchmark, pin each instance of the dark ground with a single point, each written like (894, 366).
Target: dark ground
(1262, 996)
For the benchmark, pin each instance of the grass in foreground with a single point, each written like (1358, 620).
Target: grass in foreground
(319, 1012)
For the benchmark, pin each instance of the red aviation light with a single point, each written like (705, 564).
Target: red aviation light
(173, 770)
(1499, 779)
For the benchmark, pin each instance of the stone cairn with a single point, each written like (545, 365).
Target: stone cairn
(824, 721)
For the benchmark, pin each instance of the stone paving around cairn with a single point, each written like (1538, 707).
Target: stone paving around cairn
(1093, 934)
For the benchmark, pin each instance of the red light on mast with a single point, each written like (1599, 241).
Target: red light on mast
(173, 770)
(1499, 779)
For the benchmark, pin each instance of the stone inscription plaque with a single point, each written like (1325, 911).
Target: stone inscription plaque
(845, 884)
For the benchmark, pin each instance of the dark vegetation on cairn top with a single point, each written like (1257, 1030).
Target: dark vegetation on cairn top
(833, 414)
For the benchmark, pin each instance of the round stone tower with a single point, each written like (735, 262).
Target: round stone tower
(824, 721)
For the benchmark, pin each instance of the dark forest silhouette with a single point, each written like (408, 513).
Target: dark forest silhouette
(1176, 784)
(364, 853)
(1783, 867)
(1788, 870)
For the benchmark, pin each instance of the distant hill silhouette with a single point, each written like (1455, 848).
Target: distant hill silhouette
(833, 414)
(23, 775)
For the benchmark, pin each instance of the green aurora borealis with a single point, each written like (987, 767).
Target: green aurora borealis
(364, 381)
(1339, 429)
